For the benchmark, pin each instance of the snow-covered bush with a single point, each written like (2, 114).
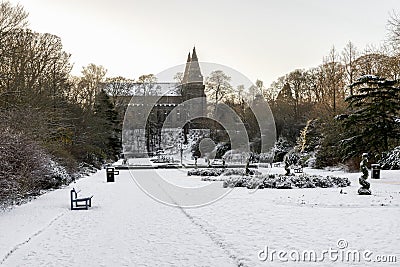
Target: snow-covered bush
(250, 182)
(222, 148)
(221, 171)
(230, 172)
(236, 156)
(280, 181)
(86, 169)
(391, 161)
(282, 146)
(205, 172)
(308, 159)
(303, 181)
(58, 175)
(25, 168)
(292, 157)
(267, 157)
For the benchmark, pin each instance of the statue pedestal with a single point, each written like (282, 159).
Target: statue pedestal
(364, 191)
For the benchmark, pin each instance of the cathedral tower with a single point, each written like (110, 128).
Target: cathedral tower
(193, 88)
(193, 85)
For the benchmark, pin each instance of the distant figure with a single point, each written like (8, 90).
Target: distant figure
(287, 167)
(365, 185)
(248, 166)
(287, 163)
(195, 161)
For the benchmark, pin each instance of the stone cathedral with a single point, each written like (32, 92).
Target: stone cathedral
(162, 121)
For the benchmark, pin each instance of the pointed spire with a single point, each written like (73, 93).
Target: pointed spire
(189, 58)
(195, 75)
(194, 55)
(187, 69)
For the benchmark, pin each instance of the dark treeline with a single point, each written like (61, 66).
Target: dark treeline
(51, 123)
(344, 107)
(331, 113)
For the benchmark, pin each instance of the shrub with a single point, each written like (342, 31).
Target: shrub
(391, 161)
(25, 168)
(280, 181)
(292, 157)
(282, 146)
(205, 172)
(230, 172)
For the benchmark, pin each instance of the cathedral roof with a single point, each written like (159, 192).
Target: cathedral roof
(192, 72)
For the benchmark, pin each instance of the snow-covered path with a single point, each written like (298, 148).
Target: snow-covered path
(124, 228)
(127, 228)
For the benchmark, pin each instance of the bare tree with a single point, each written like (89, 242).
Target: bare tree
(349, 56)
(34, 65)
(120, 90)
(118, 87)
(333, 71)
(376, 61)
(11, 18)
(394, 30)
(90, 84)
(146, 85)
(275, 88)
(218, 86)
(178, 77)
(239, 92)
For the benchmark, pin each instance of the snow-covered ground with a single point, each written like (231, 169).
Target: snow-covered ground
(125, 227)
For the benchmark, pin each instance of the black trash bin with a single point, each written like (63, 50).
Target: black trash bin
(110, 172)
(375, 171)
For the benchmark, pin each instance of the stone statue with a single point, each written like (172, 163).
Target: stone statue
(365, 185)
(287, 165)
(248, 167)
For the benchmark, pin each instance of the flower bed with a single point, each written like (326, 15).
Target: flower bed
(221, 171)
(205, 172)
(241, 172)
(280, 181)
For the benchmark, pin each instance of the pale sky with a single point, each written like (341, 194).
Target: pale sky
(260, 38)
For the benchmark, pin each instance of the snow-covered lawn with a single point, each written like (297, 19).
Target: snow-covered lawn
(125, 227)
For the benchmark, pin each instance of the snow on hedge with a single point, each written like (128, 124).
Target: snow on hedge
(205, 172)
(280, 181)
(26, 169)
(220, 171)
(391, 161)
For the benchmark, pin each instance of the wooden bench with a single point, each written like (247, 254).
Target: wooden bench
(80, 203)
(298, 169)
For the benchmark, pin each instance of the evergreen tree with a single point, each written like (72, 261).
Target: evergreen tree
(328, 153)
(310, 136)
(373, 124)
(106, 122)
